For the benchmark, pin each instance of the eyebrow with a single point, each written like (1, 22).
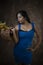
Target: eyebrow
(20, 16)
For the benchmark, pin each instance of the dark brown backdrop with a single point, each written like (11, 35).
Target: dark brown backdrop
(8, 9)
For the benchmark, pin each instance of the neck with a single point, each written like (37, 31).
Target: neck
(26, 22)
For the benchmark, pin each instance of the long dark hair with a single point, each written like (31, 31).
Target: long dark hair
(24, 14)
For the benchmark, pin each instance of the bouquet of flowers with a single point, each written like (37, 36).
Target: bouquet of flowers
(3, 26)
(5, 31)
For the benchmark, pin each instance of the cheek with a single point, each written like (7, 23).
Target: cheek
(19, 19)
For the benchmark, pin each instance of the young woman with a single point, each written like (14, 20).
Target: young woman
(23, 34)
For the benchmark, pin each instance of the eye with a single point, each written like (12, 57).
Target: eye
(19, 17)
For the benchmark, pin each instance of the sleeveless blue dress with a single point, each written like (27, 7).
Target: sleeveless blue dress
(21, 53)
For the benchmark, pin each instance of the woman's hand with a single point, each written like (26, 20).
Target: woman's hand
(15, 34)
(31, 49)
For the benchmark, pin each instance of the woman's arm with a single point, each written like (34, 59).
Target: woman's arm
(38, 35)
(10, 34)
(14, 34)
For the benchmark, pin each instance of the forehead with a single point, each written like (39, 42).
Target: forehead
(19, 15)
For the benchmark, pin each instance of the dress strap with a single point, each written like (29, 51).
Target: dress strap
(19, 26)
(33, 25)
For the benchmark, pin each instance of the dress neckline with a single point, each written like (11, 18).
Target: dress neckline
(26, 31)
(23, 30)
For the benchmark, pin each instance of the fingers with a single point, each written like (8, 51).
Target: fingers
(29, 49)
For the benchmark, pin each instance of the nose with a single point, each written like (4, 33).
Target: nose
(19, 19)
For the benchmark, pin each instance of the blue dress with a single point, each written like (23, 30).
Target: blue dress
(21, 53)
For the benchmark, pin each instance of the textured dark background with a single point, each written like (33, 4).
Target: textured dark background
(8, 9)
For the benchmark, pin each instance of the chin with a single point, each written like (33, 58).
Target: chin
(20, 22)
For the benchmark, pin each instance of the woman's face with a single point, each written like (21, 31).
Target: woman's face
(20, 18)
